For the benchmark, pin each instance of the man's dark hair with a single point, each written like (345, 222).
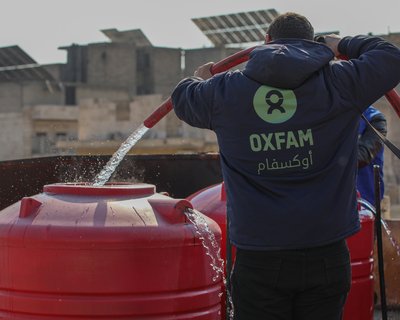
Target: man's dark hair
(291, 25)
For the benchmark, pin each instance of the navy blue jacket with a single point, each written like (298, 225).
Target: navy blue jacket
(287, 132)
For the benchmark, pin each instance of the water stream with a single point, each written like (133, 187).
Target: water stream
(213, 250)
(392, 240)
(117, 157)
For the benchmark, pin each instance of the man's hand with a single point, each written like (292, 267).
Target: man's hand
(332, 41)
(204, 71)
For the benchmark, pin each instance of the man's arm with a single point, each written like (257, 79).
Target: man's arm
(372, 70)
(369, 144)
(193, 97)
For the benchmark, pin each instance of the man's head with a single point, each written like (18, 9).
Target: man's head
(290, 25)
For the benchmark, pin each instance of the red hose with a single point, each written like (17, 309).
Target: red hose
(232, 61)
(158, 114)
(394, 99)
(221, 66)
(226, 64)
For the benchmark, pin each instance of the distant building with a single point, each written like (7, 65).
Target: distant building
(119, 83)
(23, 84)
(93, 102)
(123, 68)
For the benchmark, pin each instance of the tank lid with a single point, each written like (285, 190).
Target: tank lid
(109, 189)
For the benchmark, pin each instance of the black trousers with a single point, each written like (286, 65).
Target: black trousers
(306, 284)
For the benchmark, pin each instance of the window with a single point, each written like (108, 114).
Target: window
(142, 61)
(70, 95)
(40, 143)
(61, 136)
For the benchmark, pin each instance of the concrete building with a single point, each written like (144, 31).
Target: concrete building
(129, 64)
(47, 125)
(117, 79)
(109, 88)
(23, 84)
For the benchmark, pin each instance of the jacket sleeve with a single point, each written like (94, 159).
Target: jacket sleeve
(193, 101)
(372, 70)
(369, 144)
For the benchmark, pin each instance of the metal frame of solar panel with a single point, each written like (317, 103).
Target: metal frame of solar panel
(243, 27)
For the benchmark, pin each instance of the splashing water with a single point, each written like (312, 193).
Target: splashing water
(208, 240)
(391, 238)
(117, 157)
(213, 250)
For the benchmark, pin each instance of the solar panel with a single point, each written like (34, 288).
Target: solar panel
(17, 65)
(136, 36)
(236, 28)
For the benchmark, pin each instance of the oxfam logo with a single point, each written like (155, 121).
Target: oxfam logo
(274, 105)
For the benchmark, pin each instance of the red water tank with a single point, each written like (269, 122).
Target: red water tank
(360, 302)
(211, 201)
(120, 251)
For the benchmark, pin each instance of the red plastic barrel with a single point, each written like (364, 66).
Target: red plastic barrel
(360, 302)
(211, 201)
(120, 251)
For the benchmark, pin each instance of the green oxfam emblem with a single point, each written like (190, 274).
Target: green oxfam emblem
(274, 105)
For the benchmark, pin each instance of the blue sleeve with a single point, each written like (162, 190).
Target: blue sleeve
(371, 112)
(373, 69)
(193, 101)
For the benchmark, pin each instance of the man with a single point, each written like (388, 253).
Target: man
(370, 153)
(287, 132)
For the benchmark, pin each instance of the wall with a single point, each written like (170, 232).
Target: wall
(103, 119)
(11, 136)
(16, 123)
(15, 95)
(46, 125)
(166, 69)
(41, 92)
(112, 64)
(55, 70)
(84, 92)
(10, 97)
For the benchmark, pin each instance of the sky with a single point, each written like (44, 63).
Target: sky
(40, 27)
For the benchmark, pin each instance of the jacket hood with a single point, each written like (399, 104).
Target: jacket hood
(287, 63)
